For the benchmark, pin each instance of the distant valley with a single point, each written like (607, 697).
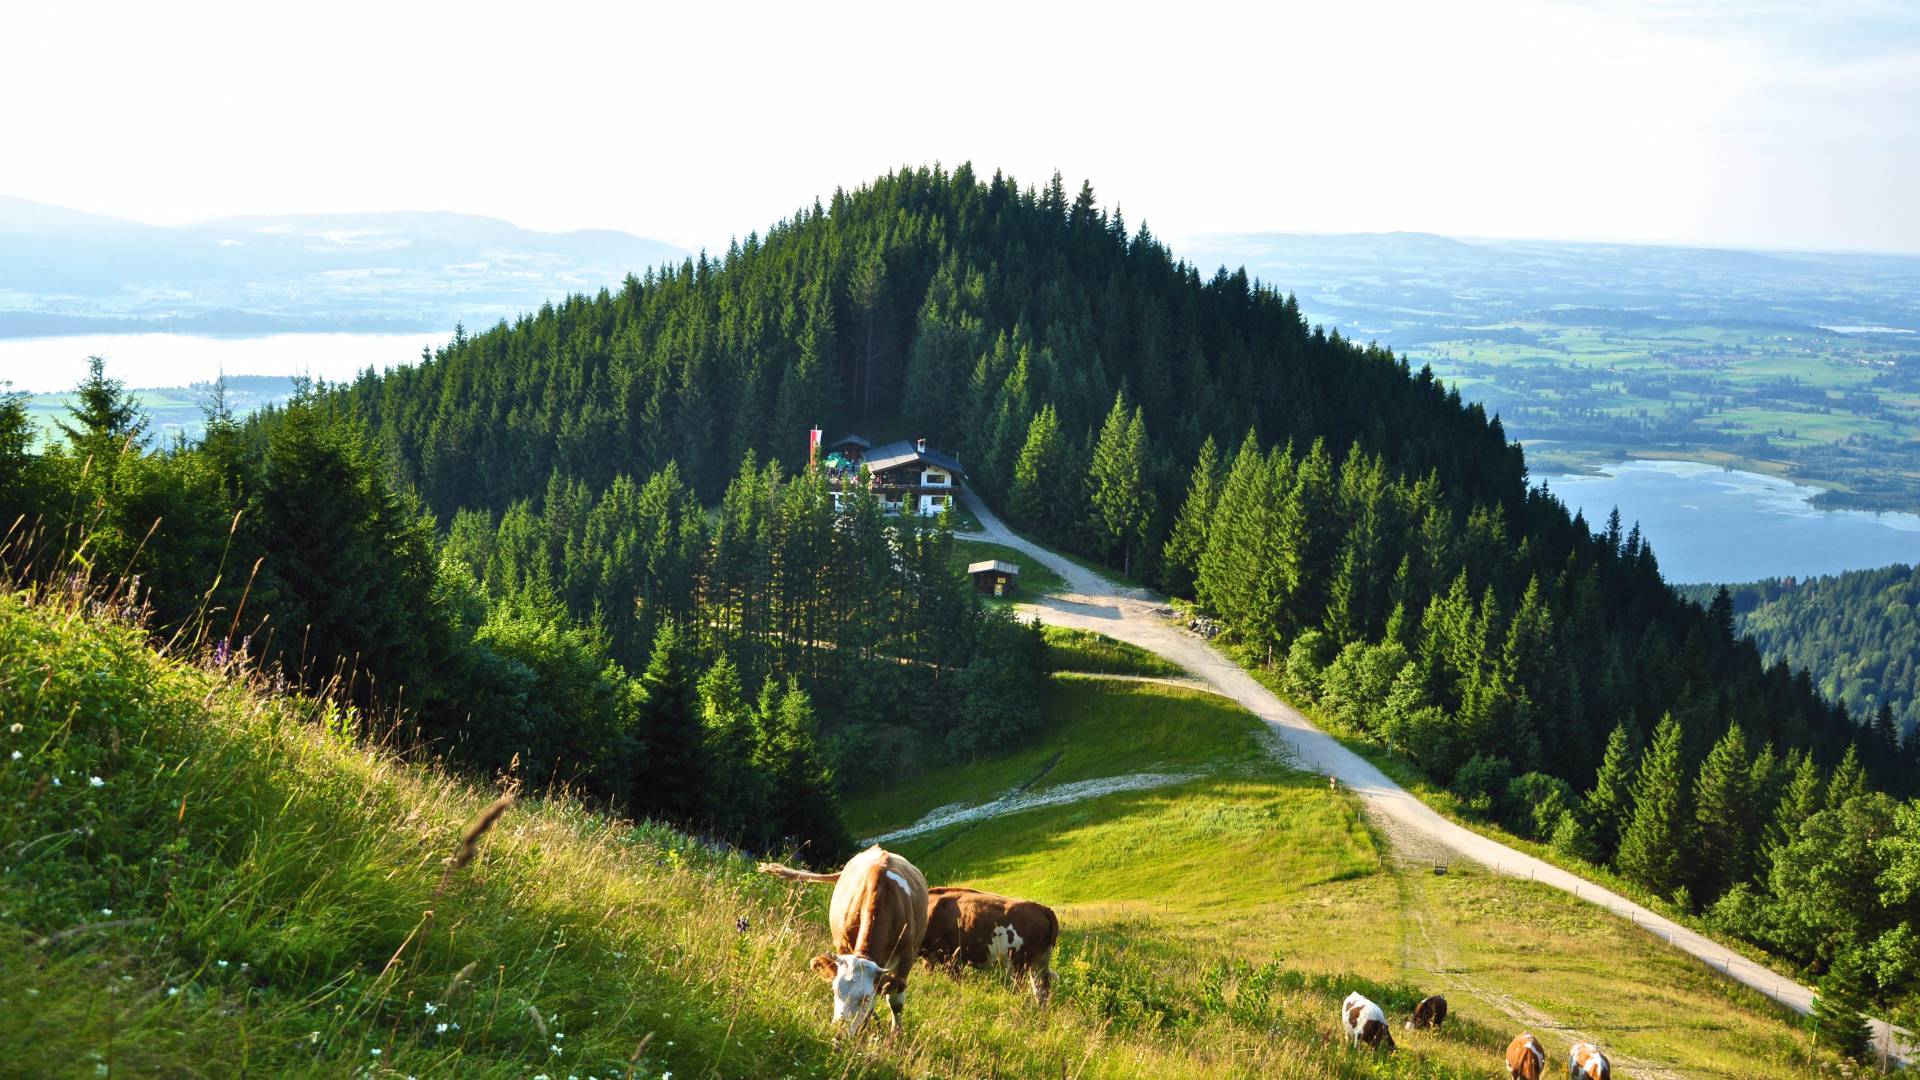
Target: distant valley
(1796, 365)
(66, 272)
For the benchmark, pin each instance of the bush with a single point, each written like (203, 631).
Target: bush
(1481, 782)
(1306, 659)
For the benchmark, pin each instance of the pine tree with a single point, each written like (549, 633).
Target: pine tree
(1610, 803)
(1656, 838)
(1723, 816)
(671, 777)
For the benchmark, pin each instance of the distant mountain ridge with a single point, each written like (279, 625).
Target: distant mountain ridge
(66, 271)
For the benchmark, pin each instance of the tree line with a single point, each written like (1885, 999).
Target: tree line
(1858, 632)
(732, 672)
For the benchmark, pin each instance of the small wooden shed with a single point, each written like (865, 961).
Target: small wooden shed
(993, 577)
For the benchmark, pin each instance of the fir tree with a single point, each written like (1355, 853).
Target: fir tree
(1188, 543)
(1849, 780)
(1610, 803)
(671, 777)
(737, 798)
(1117, 484)
(1839, 1022)
(1040, 476)
(104, 416)
(803, 809)
(1799, 801)
(1656, 837)
(1723, 816)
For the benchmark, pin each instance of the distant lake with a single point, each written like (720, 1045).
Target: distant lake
(1707, 523)
(48, 364)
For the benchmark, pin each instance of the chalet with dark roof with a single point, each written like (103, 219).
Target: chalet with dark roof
(909, 476)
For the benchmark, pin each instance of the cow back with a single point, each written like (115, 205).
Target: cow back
(879, 909)
(973, 927)
(1587, 1061)
(1526, 1058)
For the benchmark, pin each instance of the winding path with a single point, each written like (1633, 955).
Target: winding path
(1139, 617)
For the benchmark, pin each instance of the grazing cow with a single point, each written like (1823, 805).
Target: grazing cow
(878, 917)
(1365, 1023)
(1430, 1013)
(1526, 1058)
(1586, 1062)
(967, 926)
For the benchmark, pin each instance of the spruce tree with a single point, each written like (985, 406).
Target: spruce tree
(737, 791)
(1799, 801)
(1849, 780)
(1838, 1007)
(1039, 477)
(1117, 483)
(1187, 545)
(671, 777)
(1723, 816)
(803, 808)
(103, 416)
(1610, 803)
(1656, 837)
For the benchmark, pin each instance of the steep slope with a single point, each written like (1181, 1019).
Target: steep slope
(205, 878)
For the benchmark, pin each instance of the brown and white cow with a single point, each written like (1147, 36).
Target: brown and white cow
(1526, 1058)
(981, 929)
(1586, 1062)
(1430, 1013)
(878, 917)
(1365, 1023)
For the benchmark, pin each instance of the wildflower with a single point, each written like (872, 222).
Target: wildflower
(57, 783)
(456, 1025)
(554, 1049)
(431, 1008)
(440, 1028)
(106, 911)
(16, 755)
(17, 729)
(94, 781)
(375, 1051)
(173, 991)
(559, 1034)
(740, 924)
(219, 963)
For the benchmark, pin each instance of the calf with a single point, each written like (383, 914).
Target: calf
(1431, 1012)
(1586, 1062)
(1365, 1023)
(967, 926)
(1526, 1058)
(878, 917)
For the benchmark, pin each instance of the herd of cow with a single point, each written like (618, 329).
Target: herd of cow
(884, 918)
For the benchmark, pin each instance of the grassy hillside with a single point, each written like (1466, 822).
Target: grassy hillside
(202, 877)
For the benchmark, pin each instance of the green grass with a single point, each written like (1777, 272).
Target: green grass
(1035, 578)
(1084, 651)
(248, 891)
(1091, 729)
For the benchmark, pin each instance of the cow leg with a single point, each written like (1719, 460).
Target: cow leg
(897, 1003)
(1040, 979)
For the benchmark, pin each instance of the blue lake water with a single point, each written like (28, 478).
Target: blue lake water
(56, 363)
(1707, 523)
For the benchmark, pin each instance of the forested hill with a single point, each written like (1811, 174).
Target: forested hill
(1857, 632)
(928, 303)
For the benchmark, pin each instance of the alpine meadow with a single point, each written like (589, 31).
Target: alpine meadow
(470, 691)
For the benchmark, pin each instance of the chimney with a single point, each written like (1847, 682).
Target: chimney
(921, 445)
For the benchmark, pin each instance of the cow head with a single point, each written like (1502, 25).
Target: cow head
(856, 982)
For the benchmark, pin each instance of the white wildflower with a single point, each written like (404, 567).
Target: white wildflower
(219, 963)
(559, 1034)
(173, 991)
(554, 1048)
(375, 1051)
(16, 755)
(440, 1028)
(57, 783)
(17, 728)
(106, 911)
(431, 1008)
(94, 781)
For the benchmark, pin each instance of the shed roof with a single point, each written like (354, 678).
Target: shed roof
(895, 454)
(1000, 565)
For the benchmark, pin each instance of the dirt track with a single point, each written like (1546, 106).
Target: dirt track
(1139, 617)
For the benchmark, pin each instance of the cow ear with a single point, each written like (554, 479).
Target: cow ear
(825, 966)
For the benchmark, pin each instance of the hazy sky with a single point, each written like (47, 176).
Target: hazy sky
(1739, 124)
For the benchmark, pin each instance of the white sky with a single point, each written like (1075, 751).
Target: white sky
(1755, 125)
